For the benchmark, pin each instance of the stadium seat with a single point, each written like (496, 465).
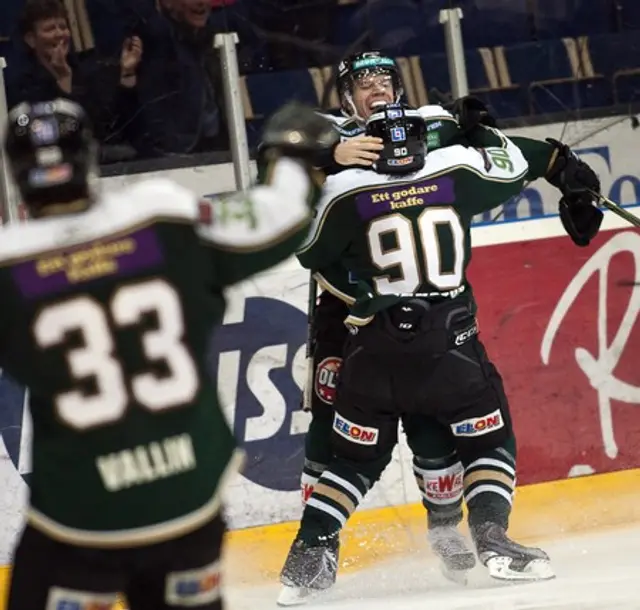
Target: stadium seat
(488, 79)
(269, 91)
(485, 25)
(629, 14)
(617, 58)
(612, 52)
(349, 26)
(545, 70)
(398, 27)
(435, 74)
(562, 18)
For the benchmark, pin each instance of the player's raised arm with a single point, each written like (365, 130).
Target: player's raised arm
(252, 231)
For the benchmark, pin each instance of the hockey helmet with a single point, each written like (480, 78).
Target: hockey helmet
(403, 131)
(51, 153)
(359, 66)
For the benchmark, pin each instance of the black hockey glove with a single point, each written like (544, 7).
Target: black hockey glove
(580, 218)
(296, 130)
(579, 186)
(471, 112)
(571, 175)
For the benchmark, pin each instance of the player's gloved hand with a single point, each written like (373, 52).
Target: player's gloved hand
(361, 150)
(579, 186)
(296, 130)
(571, 175)
(471, 112)
(580, 218)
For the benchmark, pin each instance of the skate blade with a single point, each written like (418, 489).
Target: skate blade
(295, 596)
(459, 577)
(537, 569)
(456, 568)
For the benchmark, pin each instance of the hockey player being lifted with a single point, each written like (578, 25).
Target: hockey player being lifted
(414, 353)
(366, 81)
(108, 304)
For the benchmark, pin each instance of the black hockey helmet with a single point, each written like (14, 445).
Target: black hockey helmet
(361, 65)
(52, 153)
(403, 131)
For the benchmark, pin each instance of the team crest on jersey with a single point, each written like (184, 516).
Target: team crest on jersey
(327, 378)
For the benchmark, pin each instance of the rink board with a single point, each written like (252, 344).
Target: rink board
(544, 511)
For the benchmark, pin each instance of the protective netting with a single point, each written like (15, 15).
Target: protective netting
(150, 76)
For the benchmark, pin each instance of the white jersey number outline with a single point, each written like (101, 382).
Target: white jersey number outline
(96, 359)
(405, 256)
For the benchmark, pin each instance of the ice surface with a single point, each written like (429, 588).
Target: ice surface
(599, 571)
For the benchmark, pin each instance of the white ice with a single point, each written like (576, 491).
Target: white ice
(599, 571)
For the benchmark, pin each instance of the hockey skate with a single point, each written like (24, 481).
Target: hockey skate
(453, 551)
(508, 560)
(308, 570)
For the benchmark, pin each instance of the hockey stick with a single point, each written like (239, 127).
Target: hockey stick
(311, 308)
(616, 209)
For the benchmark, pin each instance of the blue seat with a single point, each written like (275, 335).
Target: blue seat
(269, 91)
(617, 58)
(435, 74)
(562, 18)
(349, 27)
(505, 99)
(629, 13)
(612, 52)
(545, 70)
(626, 86)
(397, 27)
(484, 25)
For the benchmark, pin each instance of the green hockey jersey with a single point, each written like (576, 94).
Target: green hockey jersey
(398, 236)
(107, 316)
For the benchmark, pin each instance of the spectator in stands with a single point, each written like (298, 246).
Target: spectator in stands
(51, 70)
(298, 31)
(180, 83)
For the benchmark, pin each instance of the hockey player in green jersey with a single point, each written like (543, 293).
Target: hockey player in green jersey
(414, 352)
(366, 82)
(108, 306)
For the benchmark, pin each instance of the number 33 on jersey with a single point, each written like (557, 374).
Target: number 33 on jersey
(406, 235)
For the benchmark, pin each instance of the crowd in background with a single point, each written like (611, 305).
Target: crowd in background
(149, 75)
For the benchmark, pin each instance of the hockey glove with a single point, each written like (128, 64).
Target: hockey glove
(471, 112)
(571, 175)
(296, 130)
(580, 218)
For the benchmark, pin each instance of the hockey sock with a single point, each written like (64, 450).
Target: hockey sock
(440, 483)
(335, 497)
(489, 483)
(311, 472)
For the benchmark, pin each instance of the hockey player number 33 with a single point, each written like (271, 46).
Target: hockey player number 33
(405, 255)
(95, 357)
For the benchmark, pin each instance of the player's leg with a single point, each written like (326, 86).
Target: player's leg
(472, 400)
(364, 433)
(179, 573)
(439, 474)
(48, 574)
(328, 335)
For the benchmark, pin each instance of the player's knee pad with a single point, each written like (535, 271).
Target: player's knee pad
(441, 485)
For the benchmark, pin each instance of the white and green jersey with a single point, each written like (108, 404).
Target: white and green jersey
(400, 236)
